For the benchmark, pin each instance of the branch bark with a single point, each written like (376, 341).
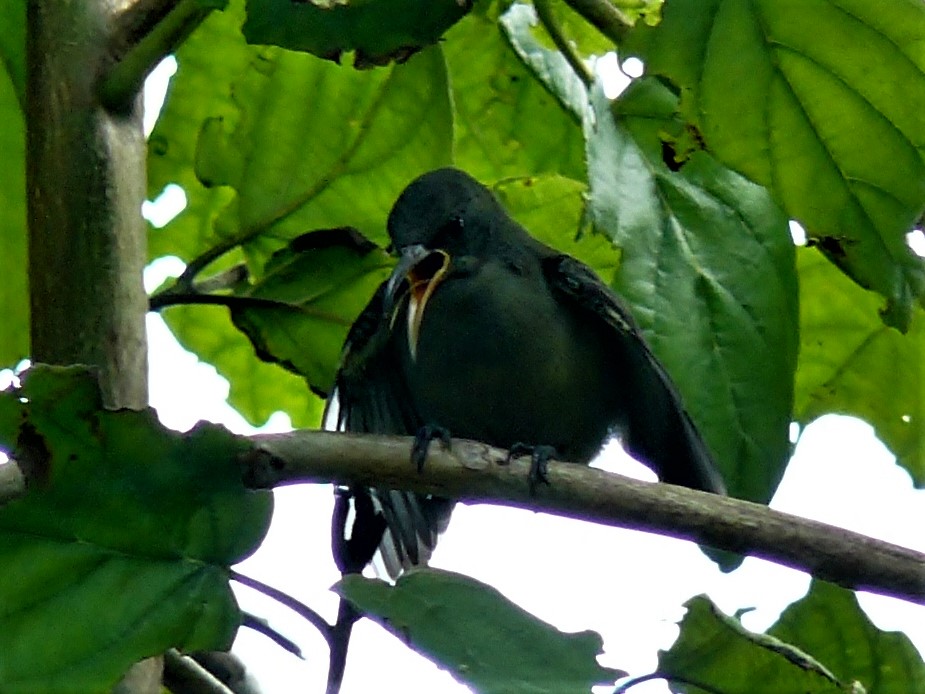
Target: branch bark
(475, 472)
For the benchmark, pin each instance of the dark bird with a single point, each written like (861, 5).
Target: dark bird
(486, 333)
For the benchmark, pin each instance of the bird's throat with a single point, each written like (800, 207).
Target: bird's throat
(423, 280)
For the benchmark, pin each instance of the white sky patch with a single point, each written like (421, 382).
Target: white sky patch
(156, 91)
(160, 211)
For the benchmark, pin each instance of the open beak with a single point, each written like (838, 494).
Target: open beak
(417, 274)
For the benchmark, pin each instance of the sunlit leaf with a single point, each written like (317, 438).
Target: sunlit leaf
(821, 101)
(851, 363)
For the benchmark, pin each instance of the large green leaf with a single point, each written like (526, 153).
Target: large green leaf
(831, 625)
(507, 124)
(207, 63)
(851, 363)
(121, 547)
(378, 30)
(13, 46)
(708, 270)
(287, 143)
(552, 208)
(479, 636)
(14, 286)
(823, 644)
(321, 282)
(257, 388)
(821, 101)
(321, 146)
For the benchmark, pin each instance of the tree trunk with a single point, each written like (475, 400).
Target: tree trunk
(85, 185)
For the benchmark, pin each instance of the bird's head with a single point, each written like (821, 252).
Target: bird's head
(441, 215)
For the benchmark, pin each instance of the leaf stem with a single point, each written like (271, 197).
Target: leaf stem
(544, 13)
(606, 18)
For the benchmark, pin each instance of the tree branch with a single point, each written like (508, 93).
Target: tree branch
(544, 14)
(143, 35)
(604, 17)
(475, 472)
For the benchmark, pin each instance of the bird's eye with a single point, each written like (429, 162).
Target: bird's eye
(451, 230)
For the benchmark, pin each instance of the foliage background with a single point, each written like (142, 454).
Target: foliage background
(269, 143)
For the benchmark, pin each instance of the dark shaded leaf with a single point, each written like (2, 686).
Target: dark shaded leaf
(380, 31)
(481, 637)
(121, 547)
(322, 280)
(708, 270)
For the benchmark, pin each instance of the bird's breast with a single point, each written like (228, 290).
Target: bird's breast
(499, 360)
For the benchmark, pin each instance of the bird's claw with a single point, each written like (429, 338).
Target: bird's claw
(539, 462)
(422, 440)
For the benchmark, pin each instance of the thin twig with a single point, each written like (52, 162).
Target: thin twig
(544, 14)
(262, 626)
(606, 18)
(300, 608)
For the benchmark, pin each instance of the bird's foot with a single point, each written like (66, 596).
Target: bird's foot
(422, 440)
(539, 460)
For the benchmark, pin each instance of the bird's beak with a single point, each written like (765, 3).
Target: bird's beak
(418, 273)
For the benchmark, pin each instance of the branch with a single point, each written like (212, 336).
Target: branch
(604, 17)
(475, 472)
(544, 14)
(144, 34)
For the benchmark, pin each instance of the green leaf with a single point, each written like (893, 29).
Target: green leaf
(851, 363)
(380, 31)
(831, 625)
(121, 547)
(507, 124)
(288, 143)
(552, 208)
(257, 389)
(13, 47)
(821, 101)
(718, 651)
(708, 270)
(207, 63)
(14, 289)
(483, 639)
(320, 146)
(322, 280)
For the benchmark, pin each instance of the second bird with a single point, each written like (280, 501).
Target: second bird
(491, 335)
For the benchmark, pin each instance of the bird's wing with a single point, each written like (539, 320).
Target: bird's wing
(370, 397)
(656, 427)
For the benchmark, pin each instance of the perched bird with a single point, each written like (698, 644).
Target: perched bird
(488, 334)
